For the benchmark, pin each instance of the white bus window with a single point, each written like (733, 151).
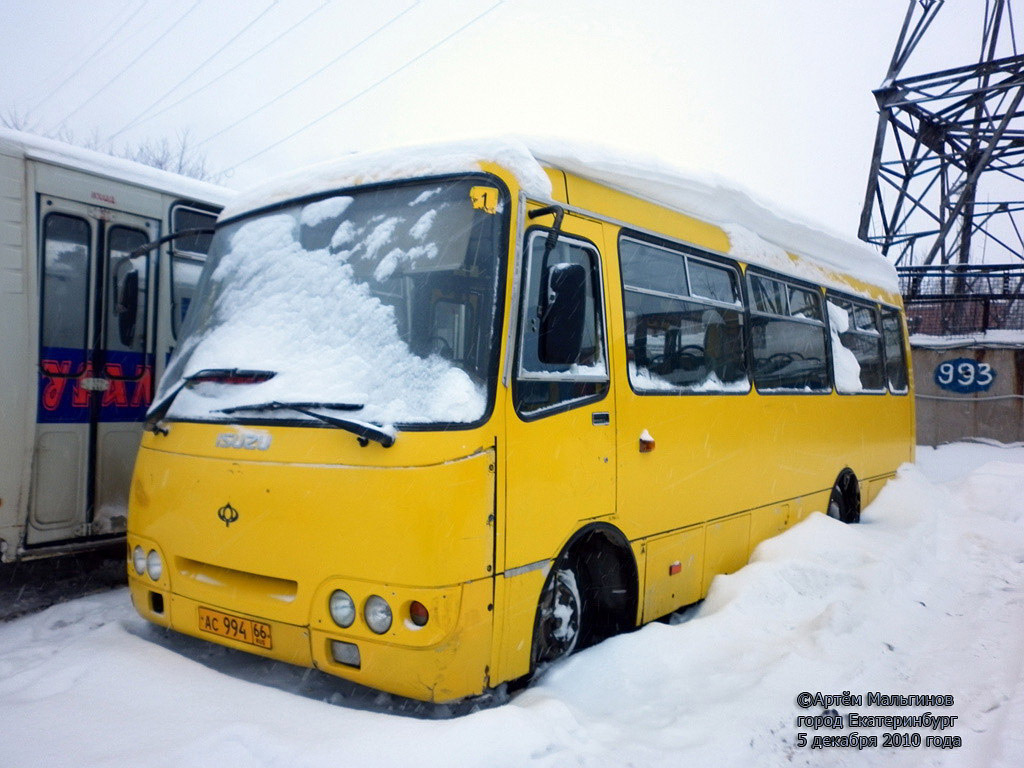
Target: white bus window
(127, 281)
(188, 254)
(65, 281)
(787, 336)
(562, 350)
(190, 218)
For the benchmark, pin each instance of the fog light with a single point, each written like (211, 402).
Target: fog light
(418, 613)
(154, 567)
(343, 610)
(345, 653)
(377, 613)
(139, 560)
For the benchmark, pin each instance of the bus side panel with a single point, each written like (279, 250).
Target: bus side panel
(15, 373)
(674, 571)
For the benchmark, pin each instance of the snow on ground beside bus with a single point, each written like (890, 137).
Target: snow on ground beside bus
(925, 597)
(697, 193)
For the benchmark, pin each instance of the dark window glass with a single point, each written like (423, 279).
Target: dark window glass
(856, 347)
(788, 355)
(767, 295)
(895, 361)
(787, 335)
(127, 281)
(543, 384)
(65, 281)
(711, 282)
(187, 259)
(189, 218)
(677, 343)
(673, 344)
(805, 303)
(647, 267)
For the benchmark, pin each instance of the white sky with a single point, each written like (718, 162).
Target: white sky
(774, 95)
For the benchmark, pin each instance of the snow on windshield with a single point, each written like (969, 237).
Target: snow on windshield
(349, 302)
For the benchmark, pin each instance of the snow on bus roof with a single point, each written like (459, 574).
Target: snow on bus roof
(117, 168)
(759, 233)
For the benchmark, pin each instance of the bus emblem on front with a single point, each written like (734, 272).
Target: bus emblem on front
(228, 514)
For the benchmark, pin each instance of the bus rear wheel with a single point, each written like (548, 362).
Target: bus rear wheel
(844, 502)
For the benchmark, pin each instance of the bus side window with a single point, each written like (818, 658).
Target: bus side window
(188, 254)
(787, 332)
(65, 281)
(895, 361)
(562, 358)
(684, 322)
(856, 346)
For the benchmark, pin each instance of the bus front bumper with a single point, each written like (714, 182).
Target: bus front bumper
(456, 666)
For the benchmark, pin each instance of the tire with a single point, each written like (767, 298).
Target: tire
(844, 502)
(559, 617)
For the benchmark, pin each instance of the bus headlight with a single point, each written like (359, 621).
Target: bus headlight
(377, 613)
(154, 567)
(139, 560)
(343, 610)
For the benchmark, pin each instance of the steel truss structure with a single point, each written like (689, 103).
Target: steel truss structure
(947, 173)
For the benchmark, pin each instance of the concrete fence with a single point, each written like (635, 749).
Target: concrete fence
(968, 388)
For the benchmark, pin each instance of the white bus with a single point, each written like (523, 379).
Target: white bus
(86, 330)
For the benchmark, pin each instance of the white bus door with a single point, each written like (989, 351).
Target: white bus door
(95, 368)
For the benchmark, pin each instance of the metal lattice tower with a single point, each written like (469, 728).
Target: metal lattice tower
(947, 174)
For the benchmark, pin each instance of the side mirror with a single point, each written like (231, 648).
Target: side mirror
(563, 315)
(128, 308)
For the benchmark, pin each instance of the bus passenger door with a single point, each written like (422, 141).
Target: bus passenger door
(94, 368)
(560, 455)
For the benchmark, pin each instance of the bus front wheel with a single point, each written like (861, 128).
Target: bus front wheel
(560, 617)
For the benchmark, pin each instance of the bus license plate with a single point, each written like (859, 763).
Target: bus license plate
(235, 628)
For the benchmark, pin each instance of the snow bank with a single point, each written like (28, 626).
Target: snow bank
(700, 195)
(925, 597)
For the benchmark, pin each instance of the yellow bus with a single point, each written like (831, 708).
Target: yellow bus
(440, 417)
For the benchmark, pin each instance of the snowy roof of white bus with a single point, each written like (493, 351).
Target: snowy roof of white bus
(117, 168)
(759, 233)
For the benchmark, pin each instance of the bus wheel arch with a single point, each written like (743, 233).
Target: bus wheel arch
(844, 501)
(594, 585)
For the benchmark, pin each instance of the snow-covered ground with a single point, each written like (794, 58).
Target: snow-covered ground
(925, 597)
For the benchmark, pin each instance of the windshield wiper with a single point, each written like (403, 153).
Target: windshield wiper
(364, 430)
(218, 375)
(274, 405)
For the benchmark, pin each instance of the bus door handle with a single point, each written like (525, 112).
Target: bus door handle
(600, 419)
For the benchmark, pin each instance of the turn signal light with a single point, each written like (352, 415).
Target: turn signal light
(646, 442)
(418, 613)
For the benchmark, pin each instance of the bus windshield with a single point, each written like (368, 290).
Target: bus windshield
(384, 299)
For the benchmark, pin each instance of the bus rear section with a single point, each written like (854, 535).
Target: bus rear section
(88, 325)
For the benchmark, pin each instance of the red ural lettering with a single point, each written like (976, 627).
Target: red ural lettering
(143, 393)
(53, 390)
